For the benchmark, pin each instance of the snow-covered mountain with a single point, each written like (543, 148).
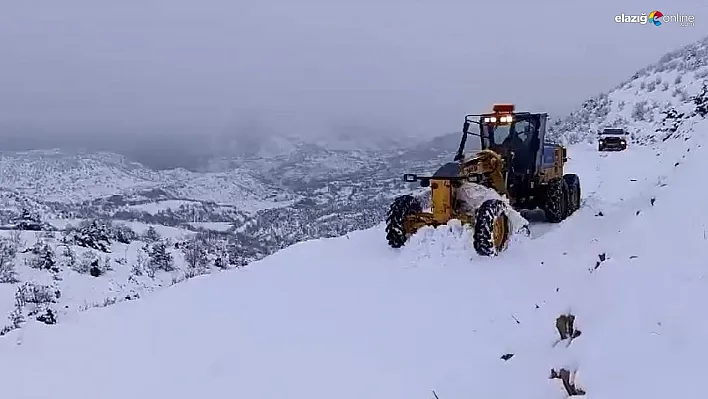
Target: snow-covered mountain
(57, 176)
(609, 300)
(641, 103)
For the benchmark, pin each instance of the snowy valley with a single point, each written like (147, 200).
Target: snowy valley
(432, 316)
(325, 308)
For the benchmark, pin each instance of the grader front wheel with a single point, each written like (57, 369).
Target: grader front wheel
(492, 228)
(402, 206)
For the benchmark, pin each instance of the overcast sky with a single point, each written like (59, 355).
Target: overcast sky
(305, 66)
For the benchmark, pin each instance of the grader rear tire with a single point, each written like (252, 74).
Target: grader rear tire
(574, 194)
(492, 228)
(556, 202)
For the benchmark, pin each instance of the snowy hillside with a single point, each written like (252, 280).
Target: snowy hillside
(49, 276)
(642, 102)
(363, 320)
(60, 177)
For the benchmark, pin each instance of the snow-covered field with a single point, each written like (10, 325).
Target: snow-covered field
(157, 206)
(350, 317)
(216, 226)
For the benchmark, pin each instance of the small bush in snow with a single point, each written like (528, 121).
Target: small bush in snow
(160, 258)
(122, 233)
(678, 79)
(28, 220)
(16, 239)
(141, 265)
(36, 300)
(640, 111)
(233, 255)
(47, 316)
(67, 258)
(701, 101)
(671, 122)
(195, 255)
(33, 293)
(151, 235)
(221, 262)
(16, 318)
(92, 234)
(42, 258)
(8, 254)
(225, 255)
(91, 263)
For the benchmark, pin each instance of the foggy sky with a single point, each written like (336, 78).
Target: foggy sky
(302, 67)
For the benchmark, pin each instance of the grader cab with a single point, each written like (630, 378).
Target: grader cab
(514, 169)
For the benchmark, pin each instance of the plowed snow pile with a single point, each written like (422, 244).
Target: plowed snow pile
(351, 318)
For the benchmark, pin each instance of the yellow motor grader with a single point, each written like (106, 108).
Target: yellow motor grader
(515, 169)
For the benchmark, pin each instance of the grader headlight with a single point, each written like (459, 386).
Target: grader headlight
(503, 119)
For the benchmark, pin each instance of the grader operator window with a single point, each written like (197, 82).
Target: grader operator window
(495, 134)
(500, 134)
(502, 130)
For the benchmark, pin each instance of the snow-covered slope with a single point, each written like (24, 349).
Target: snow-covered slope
(351, 318)
(65, 177)
(641, 102)
(51, 274)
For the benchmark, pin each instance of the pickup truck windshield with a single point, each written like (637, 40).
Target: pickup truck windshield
(613, 132)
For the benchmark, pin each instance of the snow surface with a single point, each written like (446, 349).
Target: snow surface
(350, 317)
